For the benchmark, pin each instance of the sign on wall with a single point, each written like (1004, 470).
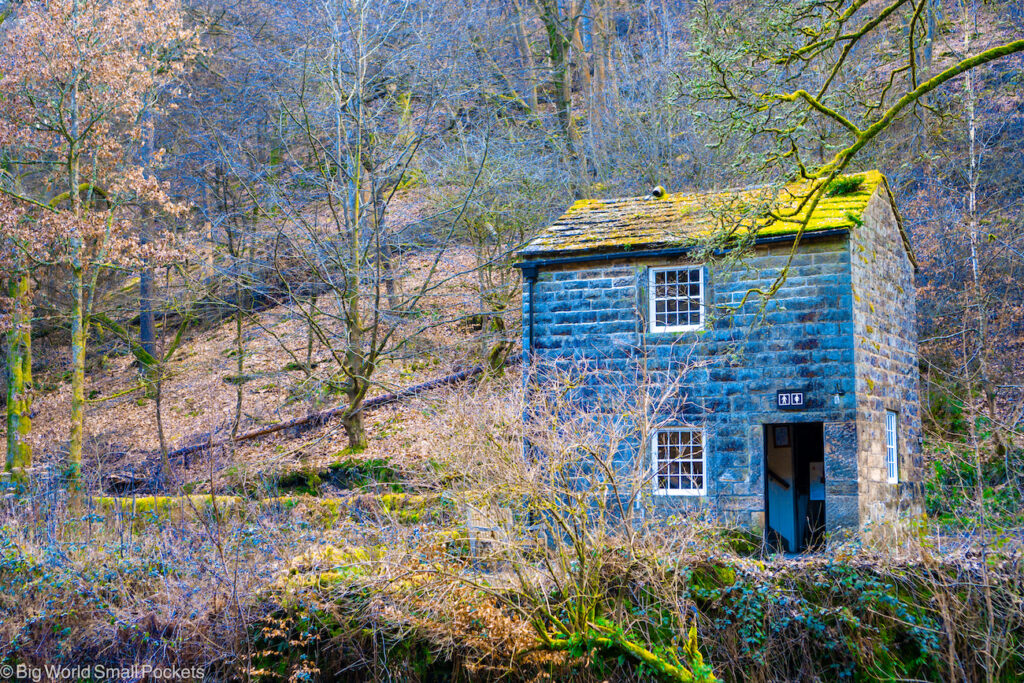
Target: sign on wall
(790, 400)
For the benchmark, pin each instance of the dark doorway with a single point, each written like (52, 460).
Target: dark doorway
(794, 475)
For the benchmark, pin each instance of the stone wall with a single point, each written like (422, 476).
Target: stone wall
(729, 372)
(885, 341)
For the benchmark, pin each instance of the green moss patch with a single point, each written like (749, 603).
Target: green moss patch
(355, 473)
(305, 481)
(844, 185)
(146, 510)
(328, 565)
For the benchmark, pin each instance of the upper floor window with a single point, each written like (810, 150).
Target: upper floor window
(892, 447)
(680, 467)
(676, 298)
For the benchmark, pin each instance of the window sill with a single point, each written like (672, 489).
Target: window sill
(675, 330)
(687, 493)
(690, 333)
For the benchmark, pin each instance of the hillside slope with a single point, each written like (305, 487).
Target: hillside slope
(198, 396)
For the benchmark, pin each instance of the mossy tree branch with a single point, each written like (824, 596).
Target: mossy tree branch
(768, 116)
(844, 156)
(613, 641)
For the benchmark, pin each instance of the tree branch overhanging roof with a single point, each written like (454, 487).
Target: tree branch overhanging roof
(681, 220)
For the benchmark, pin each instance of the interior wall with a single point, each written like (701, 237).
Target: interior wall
(790, 450)
(779, 459)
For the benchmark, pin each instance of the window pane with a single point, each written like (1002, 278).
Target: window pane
(679, 461)
(676, 297)
(891, 447)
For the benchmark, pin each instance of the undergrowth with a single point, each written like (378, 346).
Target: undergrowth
(855, 619)
(257, 595)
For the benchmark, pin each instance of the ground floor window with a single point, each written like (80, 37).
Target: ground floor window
(892, 447)
(680, 467)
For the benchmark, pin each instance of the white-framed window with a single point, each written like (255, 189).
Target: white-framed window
(892, 452)
(676, 298)
(680, 466)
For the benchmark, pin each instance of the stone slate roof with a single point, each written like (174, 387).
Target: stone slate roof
(642, 223)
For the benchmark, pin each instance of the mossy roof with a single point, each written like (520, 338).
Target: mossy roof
(643, 223)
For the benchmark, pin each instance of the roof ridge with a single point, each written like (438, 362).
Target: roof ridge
(591, 224)
(735, 188)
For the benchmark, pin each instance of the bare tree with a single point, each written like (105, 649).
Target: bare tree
(570, 500)
(354, 108)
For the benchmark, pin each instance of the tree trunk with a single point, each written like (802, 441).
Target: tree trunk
(977, 291)
(580, 58)
(355, 362)
(599, 46)
(240, 363)
(561, 74)
(77, 312)
(310, 336)
(147, 326)
(19, 380)
(235, 250)
(77, 376)
(354, 430)
(526, 50)
(158, 381)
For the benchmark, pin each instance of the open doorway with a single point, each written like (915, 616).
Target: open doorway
(794, 469)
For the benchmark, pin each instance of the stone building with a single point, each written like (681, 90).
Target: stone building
(805, 412)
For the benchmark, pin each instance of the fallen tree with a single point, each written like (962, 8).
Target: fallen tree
(321, 417)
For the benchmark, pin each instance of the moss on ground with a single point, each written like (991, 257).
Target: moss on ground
(353, 473)
(145, 510)
(316, 511)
